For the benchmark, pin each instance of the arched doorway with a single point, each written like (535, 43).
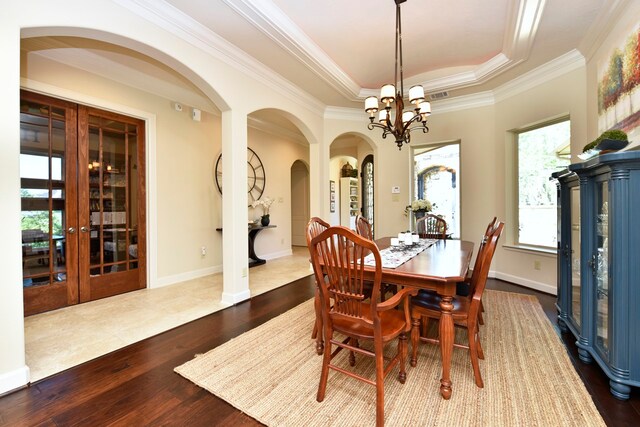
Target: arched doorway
(299, 203)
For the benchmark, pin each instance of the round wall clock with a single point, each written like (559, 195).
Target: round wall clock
(255, 176)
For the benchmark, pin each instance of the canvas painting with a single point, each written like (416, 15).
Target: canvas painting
(619, 87)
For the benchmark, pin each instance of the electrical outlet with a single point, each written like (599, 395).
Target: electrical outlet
(203, 251)
(536, 265)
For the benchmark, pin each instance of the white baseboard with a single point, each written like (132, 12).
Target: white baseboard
(538, 286)
(14, 379)
(228, 298)
(183, 277)
(274, 255)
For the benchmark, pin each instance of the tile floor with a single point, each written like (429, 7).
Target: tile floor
(60, 339)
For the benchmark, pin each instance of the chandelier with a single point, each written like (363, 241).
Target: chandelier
(405, 121)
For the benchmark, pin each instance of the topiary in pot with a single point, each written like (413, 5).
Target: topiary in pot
(614, 134)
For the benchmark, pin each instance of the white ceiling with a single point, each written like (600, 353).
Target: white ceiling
(340, 51)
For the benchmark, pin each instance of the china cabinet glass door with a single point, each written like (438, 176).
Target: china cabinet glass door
(574, 258)
(601, 268)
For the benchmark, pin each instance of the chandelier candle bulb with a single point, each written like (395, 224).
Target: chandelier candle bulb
(425, 108)
(387, 94)
(371, 105)
(416, 94)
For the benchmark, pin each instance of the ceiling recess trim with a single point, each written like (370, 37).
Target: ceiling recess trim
(186, 28)
(524, 17)
(275, 24)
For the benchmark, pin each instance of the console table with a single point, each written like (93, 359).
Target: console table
(253, 232)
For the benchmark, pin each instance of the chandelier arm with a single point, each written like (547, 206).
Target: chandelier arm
(423, 128)
(399, 43)
(372, 126)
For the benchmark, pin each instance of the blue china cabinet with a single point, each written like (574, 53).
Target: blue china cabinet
(598, 297)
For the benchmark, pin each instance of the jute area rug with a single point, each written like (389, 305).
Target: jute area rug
(272, 372)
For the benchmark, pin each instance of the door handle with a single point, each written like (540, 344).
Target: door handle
(71, 230)
(84, 229)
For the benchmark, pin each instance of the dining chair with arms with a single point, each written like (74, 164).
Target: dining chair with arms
(465, 310)
(431, 226)
(315, 226)
(338, 257)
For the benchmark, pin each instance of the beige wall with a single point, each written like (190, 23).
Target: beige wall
(278, 155)
(562, 96)
(188, 203)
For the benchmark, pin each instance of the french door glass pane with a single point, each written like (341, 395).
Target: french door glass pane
(42, 172)
(112, 146)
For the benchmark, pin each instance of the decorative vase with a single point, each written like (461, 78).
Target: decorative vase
(264, 220)
(419, 214)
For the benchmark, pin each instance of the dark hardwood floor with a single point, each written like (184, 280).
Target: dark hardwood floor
(137, 386)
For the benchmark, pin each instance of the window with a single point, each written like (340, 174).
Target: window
(436, 178)
(540, 152)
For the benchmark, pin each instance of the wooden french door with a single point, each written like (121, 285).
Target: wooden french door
(83, 203)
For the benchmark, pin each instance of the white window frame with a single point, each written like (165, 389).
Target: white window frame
(512, 187)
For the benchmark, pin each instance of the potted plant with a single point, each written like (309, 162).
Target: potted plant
(609, 140)
(265, 204)
(419, 207)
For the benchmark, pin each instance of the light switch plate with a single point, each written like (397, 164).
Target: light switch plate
(395, 189)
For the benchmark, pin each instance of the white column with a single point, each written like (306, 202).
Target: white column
(235, 258)
(13, 370)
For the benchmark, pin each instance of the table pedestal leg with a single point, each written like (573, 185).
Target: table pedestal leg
(446, 345)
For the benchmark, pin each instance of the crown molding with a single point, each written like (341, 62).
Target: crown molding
(344, 113)
(275, 24)
(602, 26)
(186, 28)
(570, 61)
(465, 102)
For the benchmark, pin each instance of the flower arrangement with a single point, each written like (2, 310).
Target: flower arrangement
(264, 203)
(419, 205)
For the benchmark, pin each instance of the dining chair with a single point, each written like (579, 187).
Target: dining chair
(465, 309)
(464, 288)
(364, 229)
(338, 257)
(431, 226)
(315, 226)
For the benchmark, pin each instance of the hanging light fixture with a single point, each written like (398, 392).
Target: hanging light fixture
(405, 121)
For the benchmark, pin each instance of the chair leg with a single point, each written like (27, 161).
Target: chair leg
(473, 351)
(402, 351)
(352, 355)
(317, 329)
(324, 374)
(415, 338)
(480, 319)
(379, 383)
(480, 352)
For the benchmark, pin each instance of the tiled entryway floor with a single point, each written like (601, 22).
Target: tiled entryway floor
(60, 339)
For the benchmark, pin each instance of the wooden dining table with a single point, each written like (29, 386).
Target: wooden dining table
(439, 267)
